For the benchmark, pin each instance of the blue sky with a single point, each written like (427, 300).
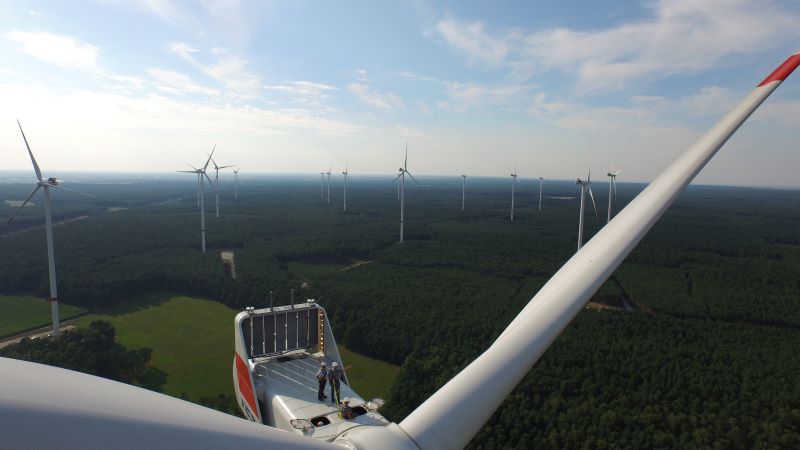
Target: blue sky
(149, 85)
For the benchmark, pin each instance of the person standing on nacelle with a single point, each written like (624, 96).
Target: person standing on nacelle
(322, 377)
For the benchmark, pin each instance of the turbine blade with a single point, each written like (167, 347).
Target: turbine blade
(593, 203)
(209, 157)
(23, 204)
(71, 190)
(412, 177)
(66, 404)
(33, 160)
(614, 185)
(185, 171)
(209, 179)
(405, 163)
(397, 177)
(448, 419)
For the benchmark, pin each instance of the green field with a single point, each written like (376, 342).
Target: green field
(21, 313)
(192, 342)
(369, 377)
(18, 203)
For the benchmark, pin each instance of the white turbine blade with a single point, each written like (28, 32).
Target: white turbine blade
(405, 162)
(593, 203)
(209, 179)
(209, 157)
(397, 177)
(449, 418)
(72, 190)
(412, 177)
(48, 407)
(614, 185)
(23, 204)
(33, 160)
(618, 172)
(185, 171)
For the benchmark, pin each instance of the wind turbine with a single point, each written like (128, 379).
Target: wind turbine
(328, 173)
(612, 184)
(53, 398)
(216, 182)
(541, 184)
(585, 185)
(514, 181)
(200, 174)
(48, 220)
(236, 183)
(321, 183)
(402, 177)
(345, 186)
(463, 189)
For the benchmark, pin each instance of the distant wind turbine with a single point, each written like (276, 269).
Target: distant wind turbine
(236, 183)
(328, 173)
(216, 183)
(612, 184)
(321, 184)
(541, 184)
(345, 186)
(202, 173)
(514, 182)
(402, 177)
(585, 185)
(463, 189)
(48, 220)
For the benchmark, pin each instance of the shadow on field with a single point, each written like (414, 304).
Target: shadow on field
(154, 379)
(138, 303)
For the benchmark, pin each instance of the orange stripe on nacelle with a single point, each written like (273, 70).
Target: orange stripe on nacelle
(245, 387)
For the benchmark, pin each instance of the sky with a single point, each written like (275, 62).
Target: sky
(551, 88)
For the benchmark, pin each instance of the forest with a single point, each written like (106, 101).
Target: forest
(706, 359)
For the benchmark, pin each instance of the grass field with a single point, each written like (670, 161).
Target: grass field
(192, 342)
(20, 313)
(18, 203)
(369, 377)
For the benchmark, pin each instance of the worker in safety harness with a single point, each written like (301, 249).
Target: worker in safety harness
(322, 378)
(334, 378)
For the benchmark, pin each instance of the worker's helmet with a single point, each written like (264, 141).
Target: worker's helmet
(335, 364)
(346, 400)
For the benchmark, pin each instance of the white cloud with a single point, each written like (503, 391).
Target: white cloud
(679, 36)
(466, 96)
(177, 83)
(59, 50)
(472, 39)
(228, 70)
(379, 99)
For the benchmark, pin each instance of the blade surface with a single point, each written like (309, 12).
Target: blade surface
(209, 179)
(412, 177)
(47, 407)
(33, 160)
(593, 203)
(23, 204)
(397, 177)
(449, 418)
(72, 190)
(209, 157)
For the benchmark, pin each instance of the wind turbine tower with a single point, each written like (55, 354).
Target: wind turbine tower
(48, 220)
(216, 183)
(585, 185)
(541, 185)
(202, 173)
(463, 189)
(612, 185)
(236, 183)
(514, 181)
(402, 177)
(328, 173)
(345, 186)
(321, 184)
